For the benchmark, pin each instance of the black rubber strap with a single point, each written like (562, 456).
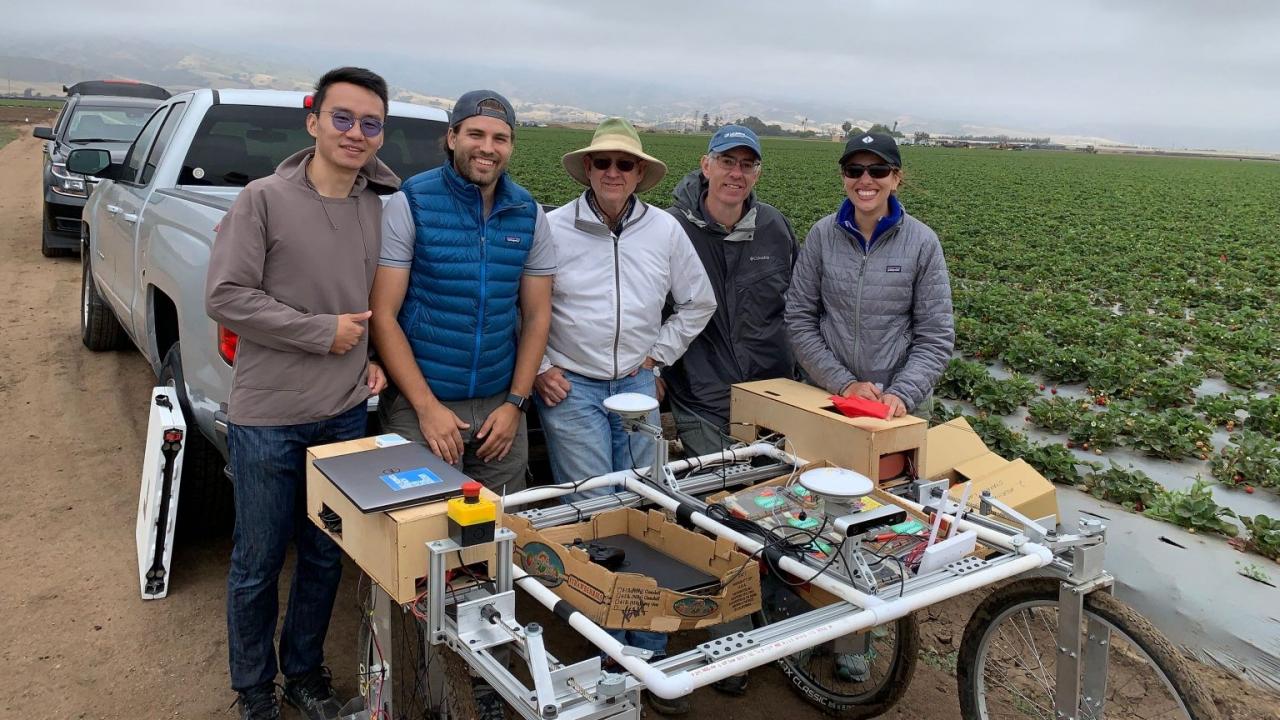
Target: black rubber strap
(684, 515)
(563, 610)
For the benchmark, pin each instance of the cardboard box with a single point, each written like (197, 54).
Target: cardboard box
(815, 430)
(389, 546)
(636, 602)
(958, 454)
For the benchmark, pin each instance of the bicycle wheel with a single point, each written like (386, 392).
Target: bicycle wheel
(890, 657)
(1007, 666)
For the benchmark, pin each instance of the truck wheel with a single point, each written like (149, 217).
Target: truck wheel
(205, 499)
(99, 328)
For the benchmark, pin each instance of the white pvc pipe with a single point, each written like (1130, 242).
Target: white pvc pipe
(686, 681)
(532, 495)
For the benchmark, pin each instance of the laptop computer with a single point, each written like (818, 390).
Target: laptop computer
(392, 477)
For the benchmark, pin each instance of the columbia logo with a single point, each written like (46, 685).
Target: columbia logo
(754, 258)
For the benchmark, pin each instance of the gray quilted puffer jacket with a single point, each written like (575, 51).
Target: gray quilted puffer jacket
(882, 316)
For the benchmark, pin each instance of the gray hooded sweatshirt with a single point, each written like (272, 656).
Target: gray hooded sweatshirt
(285, 263)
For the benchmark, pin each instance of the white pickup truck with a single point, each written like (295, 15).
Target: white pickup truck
(146, 236)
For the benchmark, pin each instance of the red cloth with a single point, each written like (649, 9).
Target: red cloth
(861, 407)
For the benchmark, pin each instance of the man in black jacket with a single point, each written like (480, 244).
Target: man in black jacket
(748, 250)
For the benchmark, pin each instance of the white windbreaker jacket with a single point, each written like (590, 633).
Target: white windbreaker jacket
(609, 291)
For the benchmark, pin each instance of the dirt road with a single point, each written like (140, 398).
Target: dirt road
(77, 642)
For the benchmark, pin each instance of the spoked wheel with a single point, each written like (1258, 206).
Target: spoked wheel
(822, 674)
(1007, 666)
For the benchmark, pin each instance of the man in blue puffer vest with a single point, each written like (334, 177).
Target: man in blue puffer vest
(462, 300)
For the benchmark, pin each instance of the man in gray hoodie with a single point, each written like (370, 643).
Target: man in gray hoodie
(290, 273)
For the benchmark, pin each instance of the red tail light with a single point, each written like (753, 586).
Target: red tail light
(227, 343)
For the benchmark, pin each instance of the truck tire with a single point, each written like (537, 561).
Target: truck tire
(99, 328)
(206, 504)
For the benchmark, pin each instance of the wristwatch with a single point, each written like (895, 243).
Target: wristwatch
(520, 401)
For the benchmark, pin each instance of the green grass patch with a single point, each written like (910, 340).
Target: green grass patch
(31, 102)
(7, 133)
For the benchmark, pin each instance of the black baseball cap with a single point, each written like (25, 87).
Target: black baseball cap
(472, 104)
(881, 144)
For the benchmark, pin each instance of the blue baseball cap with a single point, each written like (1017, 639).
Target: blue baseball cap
(732, 136)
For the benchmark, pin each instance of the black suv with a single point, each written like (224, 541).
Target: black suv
(104, 114)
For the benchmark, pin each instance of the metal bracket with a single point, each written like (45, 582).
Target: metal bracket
(475, 631)
(966, 565)
(1066, 699)
(539, 668)
(715, 649)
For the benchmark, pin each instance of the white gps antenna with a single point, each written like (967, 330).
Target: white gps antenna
(836, 483)
(634, 409)
(631, 406)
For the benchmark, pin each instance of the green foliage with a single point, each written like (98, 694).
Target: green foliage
(1175, 434)
(1003, 396)
(1055, 463)
(1169, 386)
(7, 133)
(1193, 509)
(1056, 414)
(1219, 409)
(1264, 416)
(1264, 535)
(960, 379)
(943, 414)
(1098, 430)
(1250, 460)
(1131, 488)
(998, 438)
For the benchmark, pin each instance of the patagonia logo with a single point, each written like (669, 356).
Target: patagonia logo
(894, 268)
(513, 239)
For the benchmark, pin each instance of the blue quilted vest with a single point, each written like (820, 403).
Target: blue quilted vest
(461, 308)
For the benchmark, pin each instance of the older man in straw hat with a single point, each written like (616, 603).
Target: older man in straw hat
(618, 259)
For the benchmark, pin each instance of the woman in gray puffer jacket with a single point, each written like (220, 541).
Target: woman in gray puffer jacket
(869, 308)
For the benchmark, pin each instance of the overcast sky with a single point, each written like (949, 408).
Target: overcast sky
(1167, 72)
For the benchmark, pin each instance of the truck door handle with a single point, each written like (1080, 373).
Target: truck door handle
(113, 209)
(130, 217)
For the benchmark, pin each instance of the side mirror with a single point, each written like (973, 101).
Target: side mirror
(43, 133)
(88, 161)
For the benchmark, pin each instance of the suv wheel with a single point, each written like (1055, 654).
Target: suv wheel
(205, 501)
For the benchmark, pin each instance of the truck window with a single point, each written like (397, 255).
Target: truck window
(236, 144)
(162, 142)
(138, 151)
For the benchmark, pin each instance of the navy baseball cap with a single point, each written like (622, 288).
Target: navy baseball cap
(472, 104)
(879, 143)
(732, 136)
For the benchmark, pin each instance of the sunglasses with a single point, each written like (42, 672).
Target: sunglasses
(853, 171)
(343, 121)
(624, 166)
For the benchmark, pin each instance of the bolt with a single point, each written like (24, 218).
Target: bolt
(532, 629)
(549, 711)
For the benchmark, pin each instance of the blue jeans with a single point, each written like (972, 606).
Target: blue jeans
(269, 468)
(585, 440)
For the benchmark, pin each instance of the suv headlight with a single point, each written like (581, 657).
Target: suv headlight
(66, 183)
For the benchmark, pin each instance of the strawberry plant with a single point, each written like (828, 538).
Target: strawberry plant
(1168, 387)
(1251, 460)
(961, 379)
(1264, 535)
(1027, 351)
(1193, 509)
(1069, 364)
(1264, 416)
(1220, 409)
(1098, 430)
(1055, 462)
(1056, 414)
(1003, 396)
(1175, 434)
(998, 437)
(1130, 488)
(1118, 374)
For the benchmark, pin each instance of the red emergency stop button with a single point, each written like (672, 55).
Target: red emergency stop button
(471, 491)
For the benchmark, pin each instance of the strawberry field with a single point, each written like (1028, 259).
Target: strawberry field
(1107, 307)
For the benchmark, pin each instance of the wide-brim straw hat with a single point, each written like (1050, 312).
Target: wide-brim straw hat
(615, 135)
